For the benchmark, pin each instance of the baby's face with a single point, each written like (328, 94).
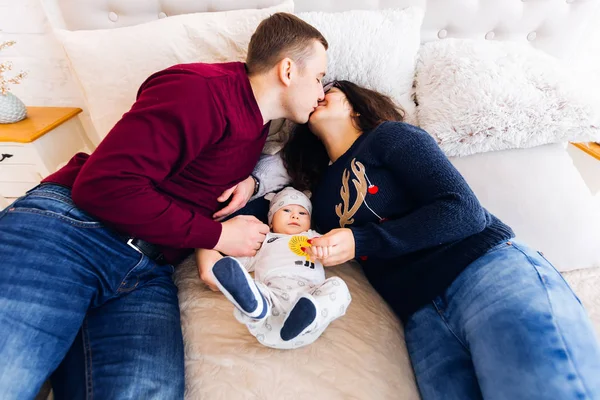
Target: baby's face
(291, 220)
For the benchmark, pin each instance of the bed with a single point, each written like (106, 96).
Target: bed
(363, 355)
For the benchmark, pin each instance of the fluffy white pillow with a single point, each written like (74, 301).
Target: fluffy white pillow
(376, 49)
(111, 64)
(476, 95)
(373, 48)
(542, 196)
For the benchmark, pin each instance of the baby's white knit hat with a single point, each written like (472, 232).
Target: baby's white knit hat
(287, 196)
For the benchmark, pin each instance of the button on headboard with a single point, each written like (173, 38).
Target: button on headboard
(554, 26)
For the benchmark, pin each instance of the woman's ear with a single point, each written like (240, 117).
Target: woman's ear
(348, 106)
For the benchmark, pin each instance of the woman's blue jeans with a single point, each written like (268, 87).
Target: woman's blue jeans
(509, 327)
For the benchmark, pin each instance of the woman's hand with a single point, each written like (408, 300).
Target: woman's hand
(336, 247)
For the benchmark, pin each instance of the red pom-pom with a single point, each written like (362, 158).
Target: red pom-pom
(373, 189)
(364, 258)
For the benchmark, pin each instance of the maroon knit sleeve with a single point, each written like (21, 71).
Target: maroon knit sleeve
(173, 119)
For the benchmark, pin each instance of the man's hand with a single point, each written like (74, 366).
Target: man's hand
(205, 260)
(241, 194)
(242, 236)
(334, 248)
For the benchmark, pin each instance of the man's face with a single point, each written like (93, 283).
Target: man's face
(306, 89)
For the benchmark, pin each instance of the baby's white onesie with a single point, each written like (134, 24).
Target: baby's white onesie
(283, 272)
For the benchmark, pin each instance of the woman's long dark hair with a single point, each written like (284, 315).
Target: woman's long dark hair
(305, 157)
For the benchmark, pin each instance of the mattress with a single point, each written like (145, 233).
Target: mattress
(586, 285)
(360, 356)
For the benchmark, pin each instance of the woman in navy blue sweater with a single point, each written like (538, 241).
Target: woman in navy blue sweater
(485, 316)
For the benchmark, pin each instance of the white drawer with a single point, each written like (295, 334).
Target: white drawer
(15, 155)
(19, 173)
(15, 189)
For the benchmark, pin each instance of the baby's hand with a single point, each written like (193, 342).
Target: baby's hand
(334, 248)
(319, 252)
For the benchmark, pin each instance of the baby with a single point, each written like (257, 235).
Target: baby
(289, 303)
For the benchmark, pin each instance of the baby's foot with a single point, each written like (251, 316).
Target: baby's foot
(239, 287)
(300, 318)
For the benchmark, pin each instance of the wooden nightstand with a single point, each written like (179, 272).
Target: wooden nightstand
(593, 149)
(586, 157)
(37, 146)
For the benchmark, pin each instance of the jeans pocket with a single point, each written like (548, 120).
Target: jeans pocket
(68, 218)
(55, 206)
(143, 271)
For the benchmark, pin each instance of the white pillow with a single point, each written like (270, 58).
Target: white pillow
(373, 48)
(376, 49)
(111, 64)
(541, 195)
(477, 95)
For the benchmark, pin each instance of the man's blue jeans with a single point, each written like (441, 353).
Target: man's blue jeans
(509, 327)
(77, 303)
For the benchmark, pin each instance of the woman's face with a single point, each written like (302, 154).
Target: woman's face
(334, 108)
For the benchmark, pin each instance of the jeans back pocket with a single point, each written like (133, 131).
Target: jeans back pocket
(54, 206)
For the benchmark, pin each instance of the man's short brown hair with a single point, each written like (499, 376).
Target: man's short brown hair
(281, 35)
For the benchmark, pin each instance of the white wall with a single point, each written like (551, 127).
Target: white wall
(50, 82)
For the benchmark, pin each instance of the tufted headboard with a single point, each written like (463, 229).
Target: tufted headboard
(554, 26)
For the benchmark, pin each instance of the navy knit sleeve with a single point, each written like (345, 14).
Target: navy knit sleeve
(448, 209)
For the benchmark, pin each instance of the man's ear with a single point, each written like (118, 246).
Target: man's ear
(285, 71)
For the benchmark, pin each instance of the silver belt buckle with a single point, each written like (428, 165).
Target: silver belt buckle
(133, 246)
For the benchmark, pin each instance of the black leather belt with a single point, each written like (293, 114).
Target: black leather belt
(148, 249)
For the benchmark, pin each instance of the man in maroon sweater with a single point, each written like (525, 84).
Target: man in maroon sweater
(86, 293)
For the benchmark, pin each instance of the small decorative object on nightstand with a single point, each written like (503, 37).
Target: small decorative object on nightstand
(37, 146)
(12, 108)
